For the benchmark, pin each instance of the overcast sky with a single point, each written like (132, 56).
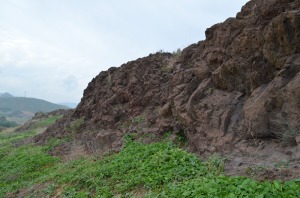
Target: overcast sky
(51, 49)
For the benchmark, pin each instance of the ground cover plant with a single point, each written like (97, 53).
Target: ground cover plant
(140, 170)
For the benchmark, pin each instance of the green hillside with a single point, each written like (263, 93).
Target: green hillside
(21, 109)
(28, 105)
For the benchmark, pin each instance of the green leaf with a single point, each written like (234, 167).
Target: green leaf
(278, 185)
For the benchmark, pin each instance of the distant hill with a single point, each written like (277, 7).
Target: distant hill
(21, 109)
(6, 95)
(28, 104)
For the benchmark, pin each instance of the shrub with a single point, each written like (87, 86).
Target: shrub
(289, 135)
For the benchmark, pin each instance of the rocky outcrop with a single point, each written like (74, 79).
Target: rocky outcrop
(242, 82)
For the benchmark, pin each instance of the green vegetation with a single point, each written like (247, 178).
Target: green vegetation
(5, 123)
(75, 124)
(109, 79)
(28, 105)
(138, 120)
(20, 109)
(289, 135)
(48, 121)
(149, 170)
(22, 166)
(177, 52)
(41, 123)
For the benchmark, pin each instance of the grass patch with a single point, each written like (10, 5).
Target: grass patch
(47, 122)
(75, 125)
(20, 167)
(149, 170)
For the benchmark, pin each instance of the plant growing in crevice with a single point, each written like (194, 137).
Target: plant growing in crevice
(209, 91)
(138, 120)
(166, 69)
(76, 124)
(289, 135)
(74, 127)
(109, 79)
(282, 165)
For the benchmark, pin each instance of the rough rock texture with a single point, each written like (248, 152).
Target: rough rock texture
(242, 83)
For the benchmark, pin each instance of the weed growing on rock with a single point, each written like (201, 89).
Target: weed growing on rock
(109, 79)
(138, 120)
(289, 135)
(75, 125)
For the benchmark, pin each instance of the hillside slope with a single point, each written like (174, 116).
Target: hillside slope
(235, 92)
(28, 104)
(21, 109)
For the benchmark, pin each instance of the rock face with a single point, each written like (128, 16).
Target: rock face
(242, 82)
